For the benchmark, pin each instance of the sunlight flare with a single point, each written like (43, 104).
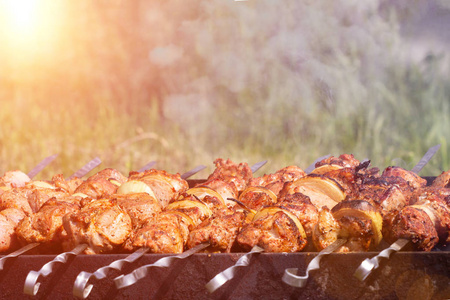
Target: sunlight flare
(22, 16)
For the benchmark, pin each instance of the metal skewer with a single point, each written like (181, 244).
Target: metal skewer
(39, 167)
(312, 166)
(17, 253)
(148, 166)
(364, 270)
(32, 285)
(86, 168)
(258, 166)
(224, 276)
(82, 289)
(370, 264)
(192, 172)
(123, 281)
(45, 162)
(290, 275)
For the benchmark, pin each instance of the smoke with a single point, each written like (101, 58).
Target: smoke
(165, 55)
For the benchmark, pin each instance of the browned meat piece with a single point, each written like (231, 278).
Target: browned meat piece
(355, 220)
(101, 224)
(443, 180)
(265, 180)
(275, 230)
(255, 197)
(344, 160)
(98, 188)
(14, 179)
(14, 215)
(219, 231)
(425, 223)
(139, 206)
(45, 226)
(167, 187)
(101, 184)
(347, 178)
(39, 197)
(109, 174)
(66, 185)
(300, 205)
(226, 170)
(412, 178)
(291, 173)
(286, 174)
(7, 236)
(429, 191)
(404, 185)
(413, 224)
(186, 223)
(36, 193)
(439, 207)
(208, 196)
(16, 198)
(9, 218)
(276, 181)
(326, 230)
(383, 195)
(162, 233)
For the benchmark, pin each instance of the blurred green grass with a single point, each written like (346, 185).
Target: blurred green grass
(289, 86)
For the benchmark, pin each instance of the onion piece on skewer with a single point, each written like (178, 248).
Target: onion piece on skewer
(321, 190)
(201, 192)
(255, 197)
(135, 186)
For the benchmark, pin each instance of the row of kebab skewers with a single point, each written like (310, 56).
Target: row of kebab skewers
(342, 199)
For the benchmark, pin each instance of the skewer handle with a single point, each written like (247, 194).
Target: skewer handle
(81, 289)
(370, 264)
(17, 253)
(290, 275)
(229, 273)
(133, 277)
(32, 283)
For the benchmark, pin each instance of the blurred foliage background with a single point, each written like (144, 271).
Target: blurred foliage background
(185, 82)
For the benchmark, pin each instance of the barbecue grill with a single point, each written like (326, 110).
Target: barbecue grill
(406, 275)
